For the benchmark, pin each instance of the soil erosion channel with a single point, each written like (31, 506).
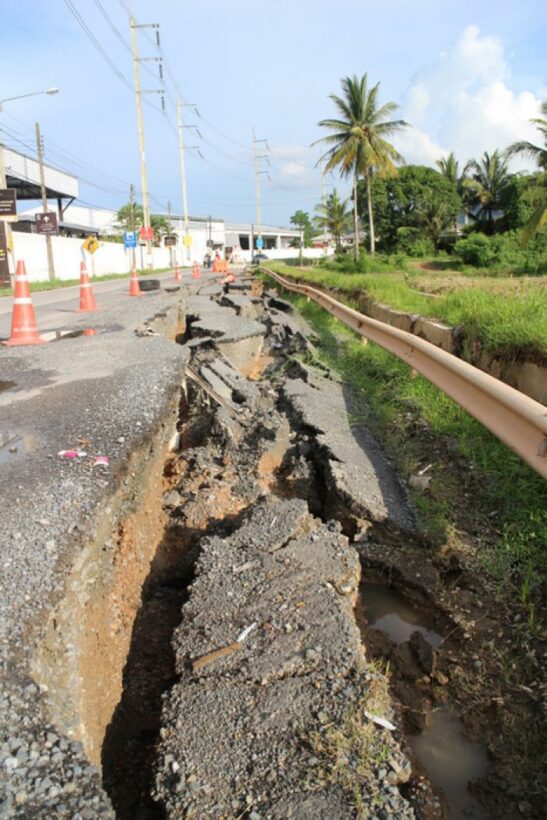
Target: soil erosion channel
(231, 661)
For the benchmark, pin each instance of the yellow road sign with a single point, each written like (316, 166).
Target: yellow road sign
(187, 240)
(91, 244)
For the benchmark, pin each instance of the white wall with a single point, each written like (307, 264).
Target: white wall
(111, 257)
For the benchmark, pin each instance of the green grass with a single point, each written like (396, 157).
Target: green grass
(36, 287)
(476, 480)
(508, 324)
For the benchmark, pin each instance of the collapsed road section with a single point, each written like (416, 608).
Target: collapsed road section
(187, 643)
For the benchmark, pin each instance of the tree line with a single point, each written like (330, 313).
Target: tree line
(416, 208)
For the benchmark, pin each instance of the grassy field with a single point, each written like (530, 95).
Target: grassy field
(36, 287)
(507, 315)
(477, 484)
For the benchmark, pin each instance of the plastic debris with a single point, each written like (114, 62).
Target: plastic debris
(242, 635)
(380, 721)
(102, 461)
(72, 454)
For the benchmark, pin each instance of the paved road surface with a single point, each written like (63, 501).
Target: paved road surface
(55, 309)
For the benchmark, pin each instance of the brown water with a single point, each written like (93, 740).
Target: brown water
(385, 609)
(450, 761)
(6, 386)
(442, 750)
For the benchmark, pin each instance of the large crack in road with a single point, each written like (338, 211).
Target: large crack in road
(206, 650)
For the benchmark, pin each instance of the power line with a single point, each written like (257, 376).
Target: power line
(96, 44)
(114, 28)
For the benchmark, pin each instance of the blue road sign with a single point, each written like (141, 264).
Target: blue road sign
(259, 243)
(130, 239)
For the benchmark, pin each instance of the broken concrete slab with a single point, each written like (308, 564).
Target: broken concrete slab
(296, 582)
(353, 463)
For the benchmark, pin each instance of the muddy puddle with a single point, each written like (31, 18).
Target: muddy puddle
(441, 751)
(450, 761)
(385, 609)
(6, 386)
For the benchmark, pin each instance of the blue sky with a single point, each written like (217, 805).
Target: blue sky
(467, 75)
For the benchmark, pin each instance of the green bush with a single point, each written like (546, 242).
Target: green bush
(475, 250)
(366, 263)
(413, 243)
(504, 251)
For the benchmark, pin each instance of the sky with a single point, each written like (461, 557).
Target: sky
(467, 76)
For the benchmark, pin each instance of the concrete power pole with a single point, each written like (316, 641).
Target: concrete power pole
(257, 186)
(180, 129)
(140, 126)
(49, 249)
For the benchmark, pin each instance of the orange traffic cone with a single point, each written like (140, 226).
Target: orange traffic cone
(178, 276)
(23, 320)
(196, 271)
(87, 297)
(134, 287)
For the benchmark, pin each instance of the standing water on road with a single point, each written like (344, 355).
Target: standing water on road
(450, 761)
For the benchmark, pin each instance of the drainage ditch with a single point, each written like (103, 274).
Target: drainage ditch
(249, 463)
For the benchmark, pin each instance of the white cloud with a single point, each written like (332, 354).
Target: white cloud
(293, 166)
(463, 103)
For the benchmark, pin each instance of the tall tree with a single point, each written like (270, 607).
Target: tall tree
(488, 177)
(538, 218)
(419, 202)
(359, 144)
(131, 218)
(332, 215)
(536, 152)
(302, 220)
(449, 168)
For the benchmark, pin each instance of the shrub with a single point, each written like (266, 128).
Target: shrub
(475, 250)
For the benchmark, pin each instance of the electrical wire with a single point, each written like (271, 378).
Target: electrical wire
(96, 44)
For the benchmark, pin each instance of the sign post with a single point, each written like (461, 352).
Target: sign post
(8, 213)
(8, 205)
(130, 243)
(47, 223)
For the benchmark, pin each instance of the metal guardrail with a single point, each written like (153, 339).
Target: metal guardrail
(517, 420)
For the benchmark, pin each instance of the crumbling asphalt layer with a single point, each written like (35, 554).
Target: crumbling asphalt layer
(104, 395)
(235, 734)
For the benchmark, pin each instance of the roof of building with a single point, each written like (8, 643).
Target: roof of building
(23, 175)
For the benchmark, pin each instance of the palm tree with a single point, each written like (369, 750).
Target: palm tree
(359, 145)
(536, 152)
(488, 177)
(449, 167)
(332, 215)
(539, 217)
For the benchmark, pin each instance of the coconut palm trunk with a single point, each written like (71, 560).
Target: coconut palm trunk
(370, 214)
(355, 217)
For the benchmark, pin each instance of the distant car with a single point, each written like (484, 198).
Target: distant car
(258, 257)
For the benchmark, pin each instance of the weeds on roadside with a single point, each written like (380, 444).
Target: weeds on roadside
(508, 499)
(349, 752)
(507, 324)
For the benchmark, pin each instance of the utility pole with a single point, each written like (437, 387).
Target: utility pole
(49, 249)
(180, 128)
(140, 127)
(257, 187)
